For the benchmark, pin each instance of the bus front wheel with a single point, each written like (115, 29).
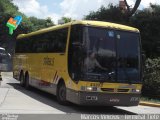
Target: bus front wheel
(21, 79)
(61, 94)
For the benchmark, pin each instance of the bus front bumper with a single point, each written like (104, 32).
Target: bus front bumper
(103, 99)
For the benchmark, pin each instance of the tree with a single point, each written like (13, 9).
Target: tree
(66, 19)
(130, 11)
(151, 83)
(113, 13)
(49, 22)
(110, 14)
(148, 22)
(40, 23)
(29, 24)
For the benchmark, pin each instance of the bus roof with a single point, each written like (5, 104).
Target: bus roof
(83, 22)
(107, 24)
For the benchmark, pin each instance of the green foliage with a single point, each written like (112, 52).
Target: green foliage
(148, 22)
(153, 99)
(7, 10)
(151, 83)
(40, 23)
(110, 14)
(6, 7)
(66, 19)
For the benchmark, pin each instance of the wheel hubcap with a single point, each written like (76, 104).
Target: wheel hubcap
(62, 93)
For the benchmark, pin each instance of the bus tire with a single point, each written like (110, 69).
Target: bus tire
(27, 86)
(21, 79)
(61, 93)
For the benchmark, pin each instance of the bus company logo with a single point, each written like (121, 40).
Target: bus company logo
(13, 23)
(114, 100)
(48, 61)
(133, 99)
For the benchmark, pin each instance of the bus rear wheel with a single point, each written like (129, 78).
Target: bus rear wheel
(21, 79)
(61, 94)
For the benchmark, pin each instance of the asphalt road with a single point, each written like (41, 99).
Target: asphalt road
(16, 100)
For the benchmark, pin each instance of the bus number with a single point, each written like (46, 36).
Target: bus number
(96, 84)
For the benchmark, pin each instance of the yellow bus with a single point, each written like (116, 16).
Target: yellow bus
(83, 62)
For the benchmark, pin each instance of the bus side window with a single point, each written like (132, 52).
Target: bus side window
(60, 40)
(50, 42)
(23, 46)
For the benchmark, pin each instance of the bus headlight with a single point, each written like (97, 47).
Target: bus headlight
(88, 88)
(136, 90)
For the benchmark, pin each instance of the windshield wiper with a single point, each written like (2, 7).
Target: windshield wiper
(107, 77)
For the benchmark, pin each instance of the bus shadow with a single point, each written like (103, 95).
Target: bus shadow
(51, 100)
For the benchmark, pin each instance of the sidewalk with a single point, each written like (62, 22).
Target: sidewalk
(149, 104)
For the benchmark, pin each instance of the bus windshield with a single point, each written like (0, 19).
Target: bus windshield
(109, 55)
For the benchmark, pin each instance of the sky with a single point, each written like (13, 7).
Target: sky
(75, 9)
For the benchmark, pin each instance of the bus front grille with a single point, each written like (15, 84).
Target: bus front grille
(114, 90)
(122, 90)
(108, 89)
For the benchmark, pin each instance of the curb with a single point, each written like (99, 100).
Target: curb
(149, 104)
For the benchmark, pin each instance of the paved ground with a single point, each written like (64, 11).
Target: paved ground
(17, 100)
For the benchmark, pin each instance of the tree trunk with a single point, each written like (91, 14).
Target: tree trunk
(130, 11)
